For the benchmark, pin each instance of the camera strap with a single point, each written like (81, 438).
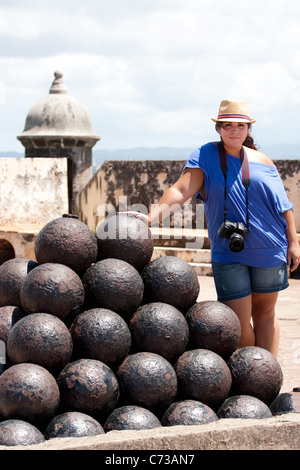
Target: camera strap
(245, 175)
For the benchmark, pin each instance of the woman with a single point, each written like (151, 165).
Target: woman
(247, 277)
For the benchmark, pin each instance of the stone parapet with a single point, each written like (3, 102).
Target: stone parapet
(34, 191)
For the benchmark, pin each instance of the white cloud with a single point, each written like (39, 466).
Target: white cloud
(153, 72)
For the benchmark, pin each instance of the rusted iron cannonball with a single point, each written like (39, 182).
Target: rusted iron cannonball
(255, 372)
(88, 386)
(203, 375)
(213, 326)
(288, 402)
(40, 338)
(188, 412)
(52, 288)
(100, 334)
(114, 284)
(171, 280)
(16, 432)
(9, 315)
(127, 238)
(28, 392)
(73, 424)
(148, 380)
(131, 417)
(12, 274)
(68, 241)
(244, 407)
(160, 328)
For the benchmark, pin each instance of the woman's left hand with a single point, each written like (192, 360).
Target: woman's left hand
(293, 256)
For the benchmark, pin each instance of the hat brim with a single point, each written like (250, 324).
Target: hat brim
(251, 121)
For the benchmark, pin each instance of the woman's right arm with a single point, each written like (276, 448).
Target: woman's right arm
(190, 182)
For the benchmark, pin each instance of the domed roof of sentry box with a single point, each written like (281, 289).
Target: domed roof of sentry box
(58, 115)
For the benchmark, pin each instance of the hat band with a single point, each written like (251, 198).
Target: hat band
(235, 116)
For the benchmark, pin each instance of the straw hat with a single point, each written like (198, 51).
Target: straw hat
(233, 111)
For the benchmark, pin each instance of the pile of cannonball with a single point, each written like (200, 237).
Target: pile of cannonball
(99, 337)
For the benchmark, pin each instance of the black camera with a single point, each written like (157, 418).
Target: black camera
(235, 232)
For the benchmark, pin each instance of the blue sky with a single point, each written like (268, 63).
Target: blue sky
(153, 72)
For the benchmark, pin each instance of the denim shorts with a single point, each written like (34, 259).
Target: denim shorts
(234, 281)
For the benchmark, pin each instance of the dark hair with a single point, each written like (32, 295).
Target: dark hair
(248, 142)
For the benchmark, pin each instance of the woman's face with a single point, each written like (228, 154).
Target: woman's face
(233, 134)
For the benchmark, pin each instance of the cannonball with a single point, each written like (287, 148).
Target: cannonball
(88, 386)
(68, 241)
(213, 326)
(131, 417)
(52, 288)
(203, 375)
(255, 372)
(244, 407)
(73, 424)
(188, 412)
(12, 274)
(288, 402)
(148, 380)
(160, 328)
(171, 280)
(42, 339)
(9, 315)
(127, 238)
(28, 392)
(100, 334)
(114, 284)
(16, 432)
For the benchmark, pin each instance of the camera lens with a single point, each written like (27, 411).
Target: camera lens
(236, 242)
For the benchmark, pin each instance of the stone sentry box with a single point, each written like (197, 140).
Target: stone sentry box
(59, 125)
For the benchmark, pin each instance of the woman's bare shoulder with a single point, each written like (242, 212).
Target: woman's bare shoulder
(258, 156)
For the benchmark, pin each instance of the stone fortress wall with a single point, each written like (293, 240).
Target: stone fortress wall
(142, 183)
